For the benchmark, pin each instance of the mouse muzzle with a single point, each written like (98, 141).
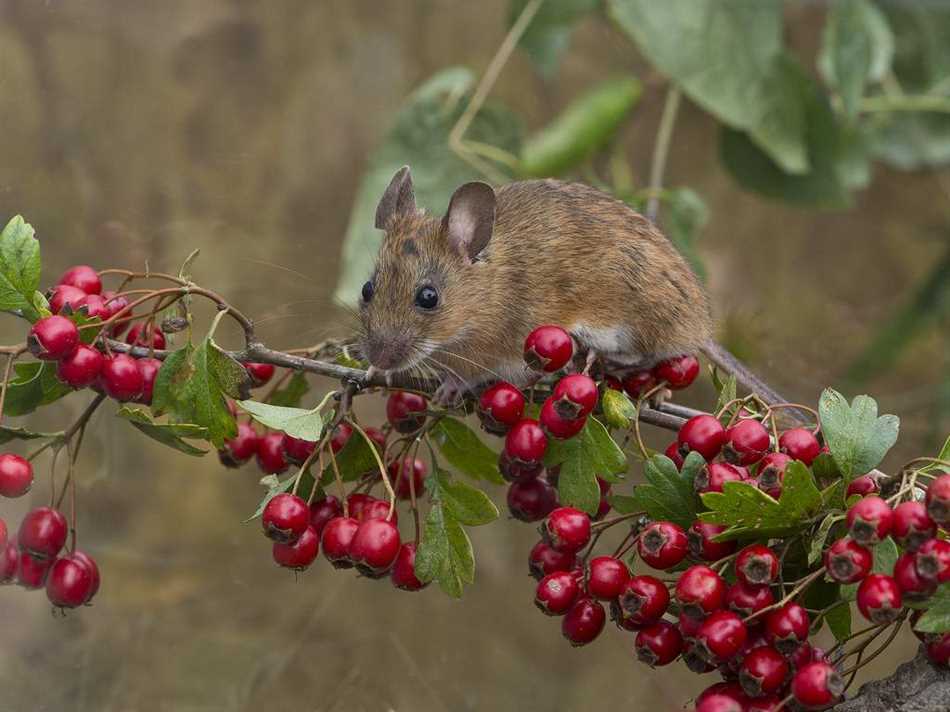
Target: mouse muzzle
(387, 353)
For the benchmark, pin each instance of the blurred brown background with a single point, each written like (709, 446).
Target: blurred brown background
(137, 131)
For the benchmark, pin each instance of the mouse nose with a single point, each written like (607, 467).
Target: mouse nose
(385, 353)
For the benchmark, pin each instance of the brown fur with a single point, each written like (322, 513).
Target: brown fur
(560, 253)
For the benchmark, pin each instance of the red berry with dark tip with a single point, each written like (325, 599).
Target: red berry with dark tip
(703, 434)
(9, 558)
(335, 541)
(42, 533)
(938, 650)
(800, 444)
(270, 454)
(63, 295)
(643, 599)
(300, 554)
(375, 546)
(721, 636)
(938, 500)
(567, 529)
(297, 450)
(933, 560)
(700, 591)
(847, 561)
(638, 383)
(606, 577)
(548, 348)
(407, 475)
(757, 565)
(746, 442)
(912, 526)
(259, 373)
(673, 452)
(662, 545)
(556, 593)
(341, 436)
(93, 306)
(870, 520)
(526, 442)
(575, 396)
(658, 645)
(817, 685)
(322, 511)
(241, 448)
(406, 411)
(787, 627)
(16, 475)
(678, 372)
(879, 598)
(745, 599)
(804, 654)
(137, 336)
(500, 407)
(772, 473)
(90, 563)
(149, 368)
(52, 338)
(69, 583)
(121, 378)
(285, 518)
(714, 475)
(403, 574)
(862, 486)
(763, 671)
(517, 471)
(531, 500)
(555, 426)
(82, 277)
(583, 622)
(720, 703)
(913, 587)
(701, 545)
(544, 559)
(31, 571)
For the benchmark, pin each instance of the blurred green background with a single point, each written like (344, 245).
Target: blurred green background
(135, 131)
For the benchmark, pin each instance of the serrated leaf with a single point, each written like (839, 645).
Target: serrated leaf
(297, 422)
(445, 553)
(464, 503)
(291, 394)
(937, 616)
(885, 556)
(589, 454)
(549, 32)
(33, 384)
(169, 434)
(857, 437)
(668, 494)
(619, 410)
(19, 268)
(748, 511)
(817, 545)
(465, 451)
(727, 392)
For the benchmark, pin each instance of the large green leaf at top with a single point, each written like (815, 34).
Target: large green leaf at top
(857, 437)
(419, 138)
(33, 384)
(19, 268)
(590, 454)
(549, 33)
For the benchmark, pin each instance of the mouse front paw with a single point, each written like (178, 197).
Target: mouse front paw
(450, 393)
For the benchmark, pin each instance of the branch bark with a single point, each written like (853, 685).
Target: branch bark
(916, 686)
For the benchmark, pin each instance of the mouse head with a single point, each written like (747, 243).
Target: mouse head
(416, 300)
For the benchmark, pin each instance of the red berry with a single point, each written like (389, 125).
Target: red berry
(136, 337)
(938, 500)
(31, 571)
(374, 547)
(870, 520)
(700, 591)
(800, 444)
(719, 702)
(62, 295)
(673, 452)
(604, 506)
(567, 529)
(356, 503)
(115, 305)
(548, 348)
(933, 560)
(678, 372)
(912, 525)
(531, 500)
(613, 382)
(42, 533)
(862, 486)
(378, 509)
(322, 511)
(787, 627)
(260, 373)
(938, 650)
(90, 563)
(335, 541)
(606, 577)
(728, 690)
(92, 305)
(660, 644)
(805, 654)
(407, 476)
(406, 411)
(763, 672)
(583, 622)
(746, 442)
(270, 453)
(526, 442)
(82, 277)
(757, 565)
(555, 426)
(16, 475)
(52, 338)
(301, 553)
(745, 599)
(149, 368)
(3, 534)
(121, 378)
(516, 470)
(378, 437)
(847, 561)
(638, 383)
(772, 473)
(879, 598)
(817, 685)
(556, 593)
(912, 586)
(69, 583)
(643, 600)
(702, 433)
(721, 636)
(9, 558)
(297, 450)
(241, 448)
(575, 396)
(544, 559)
(662, 545)
(714, 475)
(766, 703)
(701, 545)
(403, 574)
(285, 518)
(500, 407)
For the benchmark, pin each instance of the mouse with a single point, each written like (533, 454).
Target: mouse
(453, 298)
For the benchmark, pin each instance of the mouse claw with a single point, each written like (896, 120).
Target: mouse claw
(449, 393)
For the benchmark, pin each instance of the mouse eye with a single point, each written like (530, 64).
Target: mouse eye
(367, 291)
(427, 298)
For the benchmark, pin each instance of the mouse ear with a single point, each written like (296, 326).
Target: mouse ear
(470, 219)
(398, 199)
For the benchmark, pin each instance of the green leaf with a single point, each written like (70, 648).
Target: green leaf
(839, 622)
(466, 504)
(857, 437)
(885, 556)
(274, 487)
(857, 48)
(583, 128)
(354, 460)
(589, 454)
(465, 451)
(445, 553)
(297, 422)
(748, 511)
(169, 434)
(685, 217)
(817, 544)
(937, 617)
(8, 433)
(193, 384)
(33, 384)
(549, 33)
(419, 136)
(668, 494)
(291, 394)
(727, 393)
(19, 268)
(619, 410)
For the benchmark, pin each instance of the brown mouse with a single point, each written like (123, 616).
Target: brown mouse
(456, 296)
